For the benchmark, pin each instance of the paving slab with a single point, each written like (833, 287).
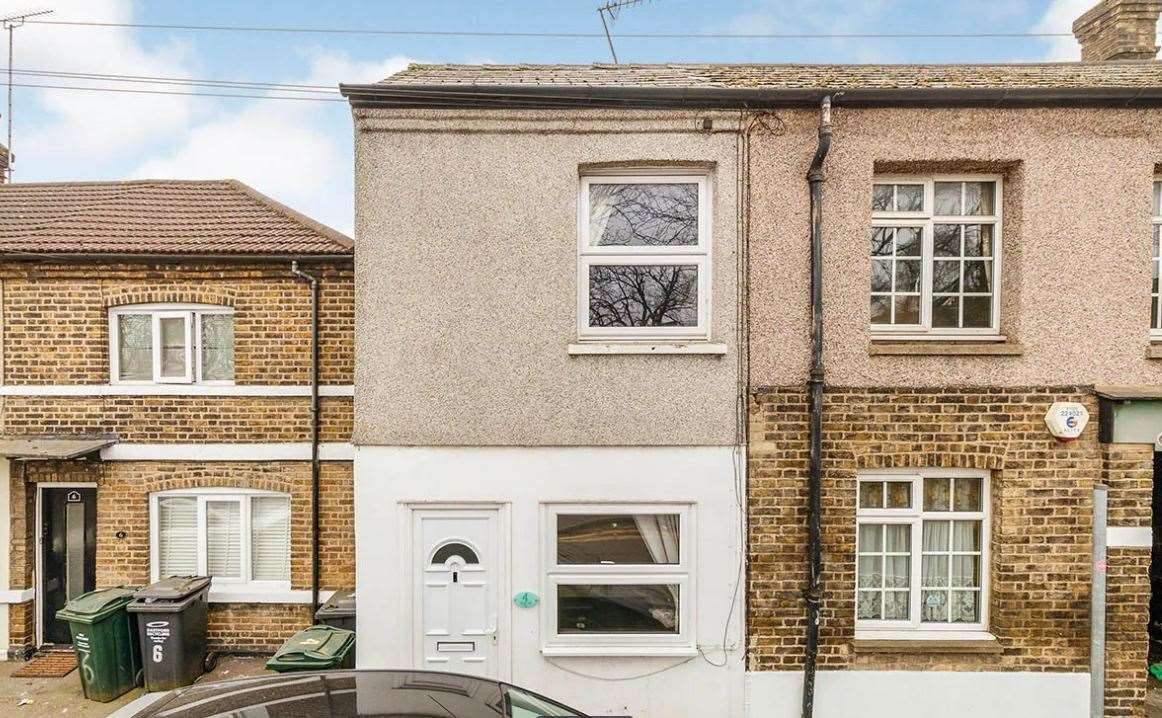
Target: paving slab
(62, 697)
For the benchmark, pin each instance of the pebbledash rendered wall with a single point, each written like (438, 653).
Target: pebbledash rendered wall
(55, 334)
(467, 236)
(1075, 314)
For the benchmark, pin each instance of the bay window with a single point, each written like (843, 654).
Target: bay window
(236, 537)
(171, 344)
(618, 580)
(935, 256)
(922, 551)
(644, 258)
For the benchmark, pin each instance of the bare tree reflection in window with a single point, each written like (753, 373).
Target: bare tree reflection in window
(642, 295)
(643, 215)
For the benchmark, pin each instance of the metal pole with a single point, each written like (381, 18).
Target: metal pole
(601, 12)
(1097, 610)
(8, 168)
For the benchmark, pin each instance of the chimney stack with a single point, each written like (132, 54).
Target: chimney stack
(1119, 30)
(3, 163)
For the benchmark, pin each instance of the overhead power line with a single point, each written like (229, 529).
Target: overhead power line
(557, 35)
(181, 81)
(172, 92)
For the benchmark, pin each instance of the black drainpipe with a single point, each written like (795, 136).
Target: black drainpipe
(313, 280)
(813, 594)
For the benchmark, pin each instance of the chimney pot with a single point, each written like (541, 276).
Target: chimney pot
(1119, 30)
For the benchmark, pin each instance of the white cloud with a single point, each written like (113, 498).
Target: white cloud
(97, 126)
(1059, 17)
(297, 152)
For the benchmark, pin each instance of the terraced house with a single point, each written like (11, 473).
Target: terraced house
(157, 402)
(875, 282)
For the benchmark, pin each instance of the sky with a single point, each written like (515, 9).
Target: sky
(300, 152)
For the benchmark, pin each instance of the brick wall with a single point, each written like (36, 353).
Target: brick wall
(1041, 524)
(56, 326)
(246, 628)
(123, 490)
(178, 419)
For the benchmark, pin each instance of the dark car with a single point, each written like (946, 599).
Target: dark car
(343, 694)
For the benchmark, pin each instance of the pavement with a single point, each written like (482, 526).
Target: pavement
(56, 697)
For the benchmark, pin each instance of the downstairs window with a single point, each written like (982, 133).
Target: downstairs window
(922, 551)
(240, 538)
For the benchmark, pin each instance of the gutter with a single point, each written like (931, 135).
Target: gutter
(813, 595)
(163, 257)
(313, 280)
(531, 96)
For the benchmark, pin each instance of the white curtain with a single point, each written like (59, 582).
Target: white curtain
(217, 347)
(660, 532)
(135, 347)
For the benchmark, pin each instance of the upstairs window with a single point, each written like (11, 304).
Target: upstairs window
(644, 266)
(235, 537)
(936, 256)
(173, 344)
(922, 551)
(1155, 311)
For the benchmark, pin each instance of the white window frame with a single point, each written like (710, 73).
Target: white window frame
(699, 255)
(926, 221)
(192, 313)
(223, 494)
(681, 574)
(914, 628)
(1155, 226)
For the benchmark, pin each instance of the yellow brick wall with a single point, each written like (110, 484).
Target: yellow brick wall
(123, 489)
(1041, 525)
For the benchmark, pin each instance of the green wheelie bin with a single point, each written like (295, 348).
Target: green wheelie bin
(317, 648)
(105, 639)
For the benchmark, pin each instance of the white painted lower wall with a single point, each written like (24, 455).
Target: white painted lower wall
(5, 540)
(390, 479)
(920, 694)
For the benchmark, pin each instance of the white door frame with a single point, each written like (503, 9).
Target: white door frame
(413, 612)
(38, 598)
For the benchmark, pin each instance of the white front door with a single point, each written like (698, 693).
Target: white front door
(456, 560)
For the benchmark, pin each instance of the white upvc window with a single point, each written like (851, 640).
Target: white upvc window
(1155, 308)
(644, 257)
(935, 256)
(618, 580)
(241, 538)
(922, 553)
(171, 344)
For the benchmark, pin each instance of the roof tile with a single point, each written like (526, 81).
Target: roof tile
(1146, 73)
(156, 217)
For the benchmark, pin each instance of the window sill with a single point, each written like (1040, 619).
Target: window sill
(240, 593)
(895, 346)
(1154, 349)
(927, 642)
(587, 348)
(614, 651)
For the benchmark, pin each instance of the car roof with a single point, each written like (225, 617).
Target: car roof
(340, 693)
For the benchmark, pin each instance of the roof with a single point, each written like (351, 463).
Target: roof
(734, 86)
(52, 447)
(149, 217)
(787, 76)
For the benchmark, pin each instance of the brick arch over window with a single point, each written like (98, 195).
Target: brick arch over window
(218, 296)
(989, 457)
(231, 477)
